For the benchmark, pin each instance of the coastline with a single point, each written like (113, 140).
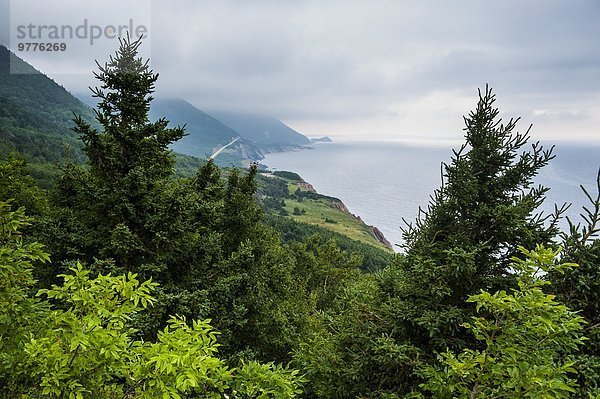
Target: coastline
(333, 202)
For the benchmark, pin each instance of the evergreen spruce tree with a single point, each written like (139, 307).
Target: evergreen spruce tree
(241, 211)
(389, 326)
(475, 222)
(201, 238)
(129, 144)
(129, 160)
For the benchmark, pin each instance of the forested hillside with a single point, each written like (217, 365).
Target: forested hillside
(127, 280)
(36, 115)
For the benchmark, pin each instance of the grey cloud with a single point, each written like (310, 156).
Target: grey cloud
(333, 50)
(340, 60)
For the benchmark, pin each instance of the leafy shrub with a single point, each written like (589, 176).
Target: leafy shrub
(528, 336)
(78, 343)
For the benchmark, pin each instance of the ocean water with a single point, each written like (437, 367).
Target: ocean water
(384, 183)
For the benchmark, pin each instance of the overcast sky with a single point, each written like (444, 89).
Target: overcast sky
(381, 69)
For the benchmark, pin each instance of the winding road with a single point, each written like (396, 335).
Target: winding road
(214, 155)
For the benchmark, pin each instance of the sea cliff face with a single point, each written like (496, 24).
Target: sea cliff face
(338, 204)
(380, 237)
(303, 185)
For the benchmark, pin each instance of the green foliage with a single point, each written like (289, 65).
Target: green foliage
(463, 243)
(323, 270)
(263, 381)
(80, 351)
(19, 310)
(529, 338)
(78, 343)
(17, 184)
(288, 175)
(580, 288)
(354, 350)
(182, 361)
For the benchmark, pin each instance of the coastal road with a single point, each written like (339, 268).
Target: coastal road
(214, 155)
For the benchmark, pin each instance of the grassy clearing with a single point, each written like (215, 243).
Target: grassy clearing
(320, 211)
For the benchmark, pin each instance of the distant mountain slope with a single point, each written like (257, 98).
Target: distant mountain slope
(36, 113)
(36, 119)
(205, 133)
(266, 132)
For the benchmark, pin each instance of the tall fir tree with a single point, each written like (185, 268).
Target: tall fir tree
(487, 202)
(485, 209)
(129, 159)
(129, 142)
(388, 327)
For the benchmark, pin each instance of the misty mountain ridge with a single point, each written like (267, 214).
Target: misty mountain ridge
(254, 134)
(207, 132)
(36, 119)
(267, 132)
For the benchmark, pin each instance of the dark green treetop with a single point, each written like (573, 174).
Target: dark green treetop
(129, 144)
(463, 243)
(484, 210)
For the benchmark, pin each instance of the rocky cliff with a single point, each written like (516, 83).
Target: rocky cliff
(338, 204)
(380, 237)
